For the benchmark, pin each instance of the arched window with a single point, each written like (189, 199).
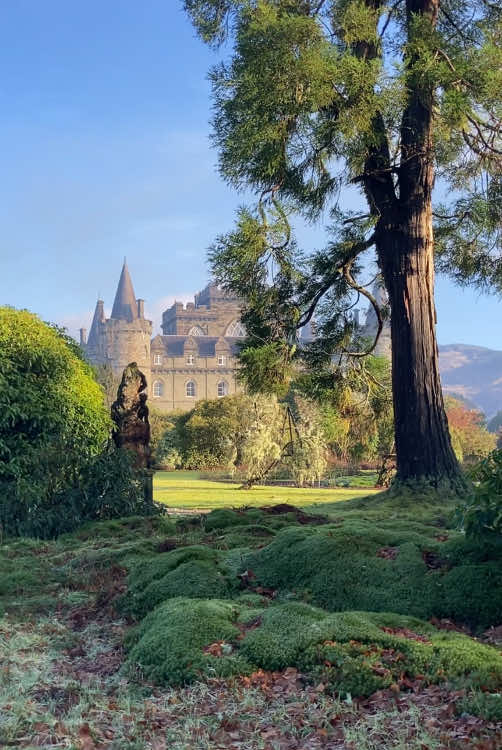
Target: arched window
(191, 389)
(196, 331)
(222, 389)
(236, 330)
(158, 389)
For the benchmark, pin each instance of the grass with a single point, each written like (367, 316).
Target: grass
(186, 490)
(67, 682)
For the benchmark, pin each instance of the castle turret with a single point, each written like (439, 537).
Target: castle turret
(370, 328)
(125, 336)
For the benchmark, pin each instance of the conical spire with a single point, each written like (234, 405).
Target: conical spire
(99, 317)
(125, 306)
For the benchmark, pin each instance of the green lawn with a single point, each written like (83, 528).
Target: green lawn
(185, 489)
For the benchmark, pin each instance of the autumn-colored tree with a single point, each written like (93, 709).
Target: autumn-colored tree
(470, 437)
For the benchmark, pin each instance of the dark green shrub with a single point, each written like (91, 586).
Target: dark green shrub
(55, 469)
(106, 486)
(481, 516)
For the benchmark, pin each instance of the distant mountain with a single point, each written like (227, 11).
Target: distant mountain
(474, 373)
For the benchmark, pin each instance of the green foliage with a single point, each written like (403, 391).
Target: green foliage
(485, 705)
(227, 432)
(481, 516)
(52, 419)
(307, 460)
(356, 408)
(109, 382)
(162, 446)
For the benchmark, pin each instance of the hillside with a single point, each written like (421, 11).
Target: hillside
(473, 372)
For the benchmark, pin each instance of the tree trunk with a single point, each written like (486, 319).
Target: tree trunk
(423, 447)
(405, 246)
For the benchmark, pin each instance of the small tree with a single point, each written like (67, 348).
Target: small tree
(307, 459)
(262, 440)
(470, 436)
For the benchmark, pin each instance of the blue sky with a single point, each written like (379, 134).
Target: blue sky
(105, 154)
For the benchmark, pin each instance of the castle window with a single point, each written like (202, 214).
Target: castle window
(236, 330)
(157, 359)
(222, 389)
(190, 359)
(222, 360)
(158, 389)
(191, 389)
(196, 331)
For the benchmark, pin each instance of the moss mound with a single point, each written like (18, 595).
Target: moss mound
(223, 518)
(196, 572)
(360, 566)
(170, 645)
(351, 652)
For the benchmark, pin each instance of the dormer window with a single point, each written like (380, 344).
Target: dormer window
(190, 359)
(157, 359)
(222, 360)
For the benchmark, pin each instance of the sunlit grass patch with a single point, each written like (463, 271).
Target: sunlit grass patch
(186, 490)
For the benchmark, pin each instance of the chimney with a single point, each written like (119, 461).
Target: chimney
(83, 337)
(100, 310)
(141, 308)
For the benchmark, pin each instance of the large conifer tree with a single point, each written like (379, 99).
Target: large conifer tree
(319, 95)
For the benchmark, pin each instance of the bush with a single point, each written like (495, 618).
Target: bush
(481, 516)
(57, 469)
(52, 418)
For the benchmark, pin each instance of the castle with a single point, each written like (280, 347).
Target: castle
(196, 356)
(193, 359)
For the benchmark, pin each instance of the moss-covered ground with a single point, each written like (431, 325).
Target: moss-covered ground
(362, 624)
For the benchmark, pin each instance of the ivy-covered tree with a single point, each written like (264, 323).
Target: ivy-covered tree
(319, 96)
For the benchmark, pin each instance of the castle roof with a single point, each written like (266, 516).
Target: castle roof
(174, 346)
(125, 306)
(99, 317)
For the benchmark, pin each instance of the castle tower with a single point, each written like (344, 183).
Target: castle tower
(369, 330)
(125, 336)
